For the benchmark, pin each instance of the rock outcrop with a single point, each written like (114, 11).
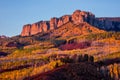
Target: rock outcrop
(53, 23)
(64, 19)
(109, 24)
(43, 26)
(76, 18)
(81, 16)
(26, 30)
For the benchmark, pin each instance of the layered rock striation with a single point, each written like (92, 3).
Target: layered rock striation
(76, 18)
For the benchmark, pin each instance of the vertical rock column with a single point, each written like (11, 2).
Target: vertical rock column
(53, 23)
(26, 31)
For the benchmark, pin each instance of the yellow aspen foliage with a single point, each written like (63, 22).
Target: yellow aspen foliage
(115, 71)
(111, 70)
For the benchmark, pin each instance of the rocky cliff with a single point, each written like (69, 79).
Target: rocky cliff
(109, 24)
(43, 26)
(77, 17)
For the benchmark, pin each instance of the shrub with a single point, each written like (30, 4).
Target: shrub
(58, 42)
(85, 58)
(72, 46)
(67, 60)
(91, 58)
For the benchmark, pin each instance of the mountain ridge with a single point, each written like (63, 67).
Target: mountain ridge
(78, 16)
(43, 26)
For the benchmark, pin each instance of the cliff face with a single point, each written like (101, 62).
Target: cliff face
(109, 24)
(43, 26)
(82, 16)
(77, 17)
(26, 30)
(64, 19)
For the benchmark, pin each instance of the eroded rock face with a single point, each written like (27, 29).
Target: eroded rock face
(76, 18)
(64, 19)
(43, 26)
(35, 28)
(53, 23)
(82, 16)
(26, 30)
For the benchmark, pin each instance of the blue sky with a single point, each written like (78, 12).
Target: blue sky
(15, 13)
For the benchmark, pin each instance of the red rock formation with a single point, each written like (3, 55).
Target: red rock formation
(26, 30)
(77, 17)
(64, 19)
(32, 29)
(43, 26)
(82, 16)
(35, 28)
(53, 23)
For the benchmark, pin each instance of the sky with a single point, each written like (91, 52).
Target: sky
(16, 13)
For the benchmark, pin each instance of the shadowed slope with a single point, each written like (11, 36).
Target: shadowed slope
(78, 71)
